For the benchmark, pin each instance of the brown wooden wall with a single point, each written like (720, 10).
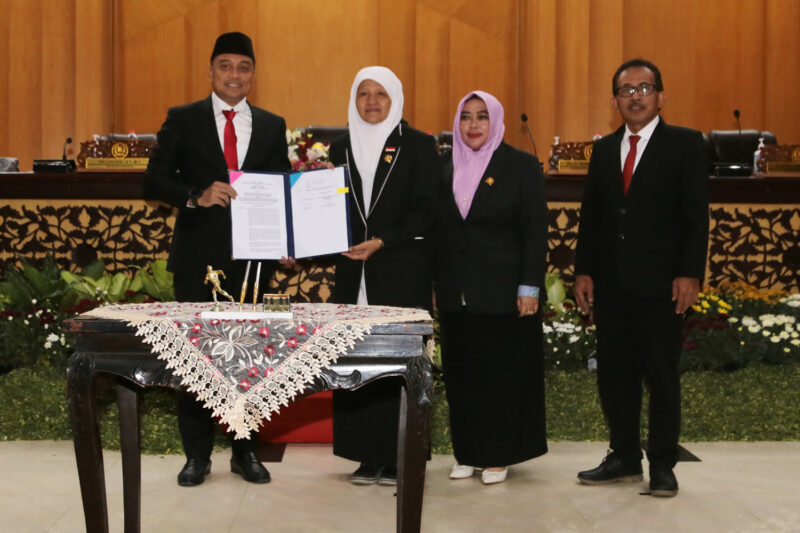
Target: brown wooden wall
(78, 67)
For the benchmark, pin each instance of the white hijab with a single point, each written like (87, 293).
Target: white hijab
(367, 139)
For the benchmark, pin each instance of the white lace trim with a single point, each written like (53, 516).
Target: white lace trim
(242, 411)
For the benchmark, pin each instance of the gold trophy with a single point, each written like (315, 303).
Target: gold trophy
(213, 276)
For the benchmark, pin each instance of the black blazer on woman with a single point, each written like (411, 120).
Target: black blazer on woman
(402, 213)
(189, 156)
(502, 243)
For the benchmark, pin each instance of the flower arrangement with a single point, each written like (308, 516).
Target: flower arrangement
(728, 328)
(570, 342)
(304, 154)
(736, 324)
(34, 302)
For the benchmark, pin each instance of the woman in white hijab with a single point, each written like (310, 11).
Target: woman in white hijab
(395, 174)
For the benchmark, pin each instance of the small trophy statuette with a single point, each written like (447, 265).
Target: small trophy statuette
(213, 276)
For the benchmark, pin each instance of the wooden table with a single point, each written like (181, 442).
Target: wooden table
(109, 349)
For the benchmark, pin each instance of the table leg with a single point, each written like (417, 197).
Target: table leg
(130, 445)
(413, 438)
(86, 436)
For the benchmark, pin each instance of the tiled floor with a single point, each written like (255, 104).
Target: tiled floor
(738, 487)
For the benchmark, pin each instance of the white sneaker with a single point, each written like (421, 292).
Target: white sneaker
(490, 477)
(461, 471)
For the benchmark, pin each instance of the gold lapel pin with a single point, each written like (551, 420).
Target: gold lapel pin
(388, 158)
(489, 181)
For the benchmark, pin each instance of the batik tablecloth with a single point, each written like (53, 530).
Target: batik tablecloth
(245, 370)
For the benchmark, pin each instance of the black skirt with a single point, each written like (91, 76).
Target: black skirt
(493, 373)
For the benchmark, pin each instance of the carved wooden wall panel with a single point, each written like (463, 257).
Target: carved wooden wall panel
(759, 244)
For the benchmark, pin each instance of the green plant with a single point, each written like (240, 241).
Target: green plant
(34, 302)
(157, 281)
(153, 281)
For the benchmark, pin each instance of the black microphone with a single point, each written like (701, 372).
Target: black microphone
(524, 118)
(739, 124)
(64, 152)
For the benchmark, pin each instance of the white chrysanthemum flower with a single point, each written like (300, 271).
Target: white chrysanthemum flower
(733, 320)
(573, 339)
(775, 338)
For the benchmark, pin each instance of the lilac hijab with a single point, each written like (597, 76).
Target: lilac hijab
(468, 164)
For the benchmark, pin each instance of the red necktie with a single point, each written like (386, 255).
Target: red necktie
(627, 170)
(231, 156)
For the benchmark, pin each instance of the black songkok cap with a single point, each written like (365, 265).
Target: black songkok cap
(234, 43)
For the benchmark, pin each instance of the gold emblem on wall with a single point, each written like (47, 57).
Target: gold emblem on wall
(587, 152)
(796, 154)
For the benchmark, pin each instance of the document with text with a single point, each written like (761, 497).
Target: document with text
(292, 214)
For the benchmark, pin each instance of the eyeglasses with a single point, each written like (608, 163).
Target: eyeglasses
(626, 91)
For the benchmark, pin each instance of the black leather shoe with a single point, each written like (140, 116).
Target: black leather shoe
(194, 472)
(388, 475)
(611, 470)
(663, 482)
(250, 468)
(366, 474)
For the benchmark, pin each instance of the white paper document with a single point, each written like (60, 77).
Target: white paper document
(296, 214)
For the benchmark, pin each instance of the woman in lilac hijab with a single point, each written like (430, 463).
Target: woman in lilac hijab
(490, 264)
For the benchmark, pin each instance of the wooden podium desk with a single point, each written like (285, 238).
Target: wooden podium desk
(109, 349)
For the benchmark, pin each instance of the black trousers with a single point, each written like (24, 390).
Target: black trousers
(639, 339)
(195, 422)
(365, 422)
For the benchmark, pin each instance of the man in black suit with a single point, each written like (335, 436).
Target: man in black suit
(197, 145)
(639, 262)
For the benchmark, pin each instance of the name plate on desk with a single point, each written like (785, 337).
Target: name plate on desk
(571, 157)
(116, 163)
(779, 159)
(572, 165)
(783, 167)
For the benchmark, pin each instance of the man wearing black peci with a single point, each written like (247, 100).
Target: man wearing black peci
(639, 262)
(197, 145)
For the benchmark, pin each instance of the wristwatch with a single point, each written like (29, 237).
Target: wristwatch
(194, 196)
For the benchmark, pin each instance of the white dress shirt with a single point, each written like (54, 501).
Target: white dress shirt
(242, 123)
(625, 147)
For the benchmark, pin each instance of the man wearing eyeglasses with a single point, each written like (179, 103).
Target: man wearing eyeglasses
(639, 263)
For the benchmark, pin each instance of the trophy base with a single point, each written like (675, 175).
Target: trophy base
(245, 315)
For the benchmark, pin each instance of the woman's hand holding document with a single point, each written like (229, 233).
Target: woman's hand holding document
(297, 214)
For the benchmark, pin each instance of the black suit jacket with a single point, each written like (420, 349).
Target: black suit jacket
(501, 244)
(189, 156)
(402, 213)
(641, 241)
